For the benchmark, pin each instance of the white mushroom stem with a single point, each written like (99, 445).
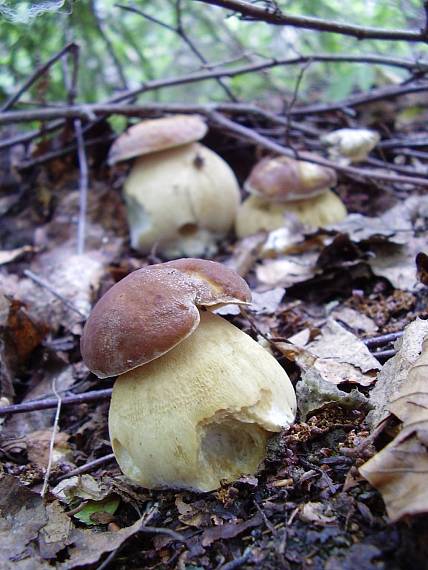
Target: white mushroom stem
(201, 413)
(257, 214)
(184, 200)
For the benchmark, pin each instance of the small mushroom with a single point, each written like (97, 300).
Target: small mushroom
(281, 187)
(180, 195)
(351, 145)
(197, 398)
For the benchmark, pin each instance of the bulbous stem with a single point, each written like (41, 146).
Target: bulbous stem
(201, 413)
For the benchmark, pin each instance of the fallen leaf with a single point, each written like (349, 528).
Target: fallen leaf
(6, 256)
(399, 471)
(81, 487)
(54, 535)
(313, 392)
(267, 302)
(317, 513)
(87, 546)
(108, 505)
(225, 531)
(288, 271)
(394, 372)
(354, 320)
(38, 444)
(337, 355)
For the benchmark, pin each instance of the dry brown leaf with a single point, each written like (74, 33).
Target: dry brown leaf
(316, 513)
(288, 271)
(337, 355)
(38, 444)
(400, 470)
(6, 256)
(394, 372)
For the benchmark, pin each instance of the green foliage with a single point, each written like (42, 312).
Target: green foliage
(121, 50)
(108, 505)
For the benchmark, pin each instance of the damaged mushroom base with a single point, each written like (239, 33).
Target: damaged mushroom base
(184, 200)
(257, 214)
(201, 413)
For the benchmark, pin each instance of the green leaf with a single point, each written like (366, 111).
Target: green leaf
(108, 505)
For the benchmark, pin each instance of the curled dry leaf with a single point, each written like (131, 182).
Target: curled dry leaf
(6, 256)
(394, 372)
(337, 356)
(400, 470)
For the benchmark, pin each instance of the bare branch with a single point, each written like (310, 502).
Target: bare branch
(241, 132)
(72, 47)
(42, 283)
(420, 66)
(180, 32)
(278, 18)
(90, 466)
(49, 403)
(83, 187)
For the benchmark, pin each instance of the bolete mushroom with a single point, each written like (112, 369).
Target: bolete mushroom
(197, 398)
(281, 187)
(351, 145)
(180, 195)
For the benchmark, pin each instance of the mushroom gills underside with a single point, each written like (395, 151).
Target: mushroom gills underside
(202, 413)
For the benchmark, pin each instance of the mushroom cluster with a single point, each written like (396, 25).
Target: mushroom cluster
(181, 197)
(281, 187)
(197, 398)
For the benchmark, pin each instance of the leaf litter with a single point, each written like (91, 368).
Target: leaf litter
(318, 296)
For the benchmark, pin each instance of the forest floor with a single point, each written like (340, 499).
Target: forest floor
(308, 507)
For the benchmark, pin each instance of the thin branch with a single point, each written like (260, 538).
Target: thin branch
(42, 283)
(54, 154)
(49, 403)
(382, 339)
(420, 66)
(372, 96)
(383, 355)
(294, 99)
(52, 441)
(237, 562)
(180, 32)
(83, 187)
(159, 530)
(211, 111)
(87, 467)
(278, 18)
(99, 25)
(72, 48)
(241, 132)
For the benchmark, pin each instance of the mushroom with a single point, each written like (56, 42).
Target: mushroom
(351, 145)
(283, 186)
(180, 195)
(197, 399)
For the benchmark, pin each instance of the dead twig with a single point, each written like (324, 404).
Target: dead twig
(42, 283)
(69, 48)
(87, 467)
(238, 561)
(179, 30)
(52, 441)
(83, 187)
(251, 11)
(48, 403)
(245, 133)
(382, 339)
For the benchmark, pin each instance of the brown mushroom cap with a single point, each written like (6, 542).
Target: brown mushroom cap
(285, 179)
(154, 135)
(152, 310)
